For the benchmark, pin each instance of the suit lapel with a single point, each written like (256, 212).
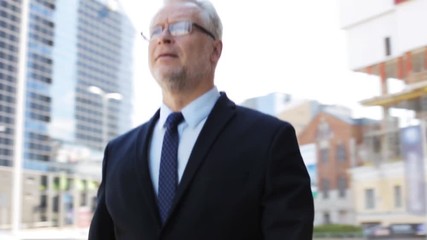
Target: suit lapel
(142, 169)
(222, 112)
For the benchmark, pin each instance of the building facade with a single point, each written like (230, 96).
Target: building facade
(300, 113)
(10, 22)
(78, 92)
(328, 145)
(272, 103)
(383, 41)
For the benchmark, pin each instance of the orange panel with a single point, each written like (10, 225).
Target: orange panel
(425, 58)
(400, 69)
(382, 71)
(398, 1)
(408, 58)
(368, 70)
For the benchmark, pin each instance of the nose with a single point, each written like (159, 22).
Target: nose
(165, 37)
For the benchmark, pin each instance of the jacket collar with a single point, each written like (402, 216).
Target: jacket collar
(217, 120)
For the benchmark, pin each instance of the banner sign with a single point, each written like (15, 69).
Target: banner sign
(411, 140)
(309, 153)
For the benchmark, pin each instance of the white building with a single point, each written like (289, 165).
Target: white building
(387, 38)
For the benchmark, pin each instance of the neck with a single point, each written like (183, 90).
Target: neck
(177, 100)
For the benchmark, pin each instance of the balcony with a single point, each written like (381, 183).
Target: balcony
(381, 144)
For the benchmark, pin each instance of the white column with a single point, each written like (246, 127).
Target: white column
(104, 120)
(19, 123)
(76, 199)
(423, 124)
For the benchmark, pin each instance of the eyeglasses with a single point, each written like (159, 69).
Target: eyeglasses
(176, 29)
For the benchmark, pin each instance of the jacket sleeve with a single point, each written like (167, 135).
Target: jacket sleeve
(102, 226)
(288, 209)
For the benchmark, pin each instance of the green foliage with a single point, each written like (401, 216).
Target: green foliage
(337, 228)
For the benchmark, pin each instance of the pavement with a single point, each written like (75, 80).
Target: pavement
(46, 234)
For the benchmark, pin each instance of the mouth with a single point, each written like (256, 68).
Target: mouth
(166, 55)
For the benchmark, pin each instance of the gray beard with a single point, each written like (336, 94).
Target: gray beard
(175, 81)
(179, 80)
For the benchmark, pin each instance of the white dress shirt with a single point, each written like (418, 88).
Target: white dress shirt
(195, 115)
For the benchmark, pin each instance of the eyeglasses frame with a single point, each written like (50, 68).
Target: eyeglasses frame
(194, 25)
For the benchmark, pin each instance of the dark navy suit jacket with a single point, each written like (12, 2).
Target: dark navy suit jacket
(245, 179)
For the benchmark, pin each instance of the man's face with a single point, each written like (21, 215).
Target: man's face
(180, 62)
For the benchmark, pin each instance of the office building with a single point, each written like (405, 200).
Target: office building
(271, 104)
(78, 92)
(10, 15)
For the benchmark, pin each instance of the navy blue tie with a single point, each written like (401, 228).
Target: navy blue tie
(168, 176)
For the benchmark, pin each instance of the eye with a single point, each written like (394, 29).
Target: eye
(156, 31)
(180, 28)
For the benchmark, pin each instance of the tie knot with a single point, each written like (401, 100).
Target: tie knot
(173, 120)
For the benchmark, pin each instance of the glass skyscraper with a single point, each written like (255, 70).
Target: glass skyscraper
(39, 78)
(73, 46)
(10, 20)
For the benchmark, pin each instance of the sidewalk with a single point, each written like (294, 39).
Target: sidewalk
(47, 234)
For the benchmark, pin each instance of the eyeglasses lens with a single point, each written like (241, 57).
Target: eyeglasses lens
(156, 31)
(175, 29)
(180, 28)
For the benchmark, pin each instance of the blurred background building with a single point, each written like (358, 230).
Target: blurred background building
(328, 136)
(10, 23)
(271, 104)
(384, 41)
(78, 92)
(368, 172)
(328, 145)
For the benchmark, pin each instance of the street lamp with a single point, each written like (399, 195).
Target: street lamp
(105, 100)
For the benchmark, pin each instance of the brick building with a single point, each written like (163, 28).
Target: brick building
(328, 145)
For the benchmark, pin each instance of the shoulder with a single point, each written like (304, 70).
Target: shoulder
(130, 134)
(244, 118)
(136, 133)
(131, 137)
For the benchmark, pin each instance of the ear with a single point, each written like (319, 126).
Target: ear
(217, 50)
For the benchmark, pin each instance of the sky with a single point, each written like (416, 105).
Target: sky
(293, 47)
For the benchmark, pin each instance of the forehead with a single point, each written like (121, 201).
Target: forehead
(177, 11)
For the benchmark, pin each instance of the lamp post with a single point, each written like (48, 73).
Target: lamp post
(105, 100)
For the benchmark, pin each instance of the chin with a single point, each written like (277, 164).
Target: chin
(169, 75)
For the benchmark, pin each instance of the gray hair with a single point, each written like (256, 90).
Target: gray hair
(209, 14)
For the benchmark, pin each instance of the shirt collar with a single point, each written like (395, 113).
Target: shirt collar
(195, 111)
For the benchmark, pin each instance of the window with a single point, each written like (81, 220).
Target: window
(323, 131)
(341, 153)
(83, 197)
(397, 192)
(369, 198)
(326, 218)
(394, 144)
(376, 144)
(324, 155)
(325, 188)
(43, 201)
(342, 187)
(387, 45)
